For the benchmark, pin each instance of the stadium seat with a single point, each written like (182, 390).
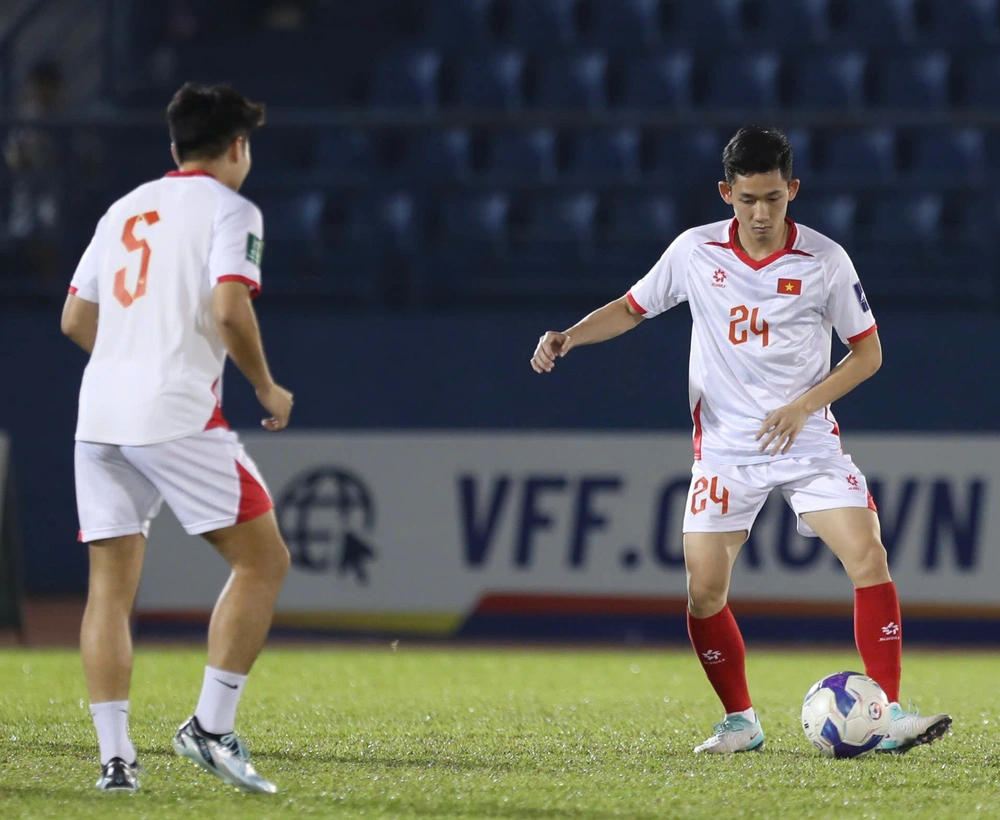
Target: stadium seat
(875, 23)
(609, 155)
(276, 149)
(643, 218)
(743, 82)
(948, 156)
(492, 81)
(914, 82)
(834, 216)
(861, 156)
(963, 22)
(829, 81)
(544, 24)
(806, 21)
(563, 217)
(438, 156)
(398, 223)
(345, 155)
(689, 156)
(407, 80)
(658, 81)
(576, 81)
(982, 81)
(705, 22)
(802, 146)
(626, 24)
(475, 218)
(460, 24)
(292, 217)
(523, 156)
(906, 219)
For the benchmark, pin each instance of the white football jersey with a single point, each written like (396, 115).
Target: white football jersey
(761, 332)
(156, 370)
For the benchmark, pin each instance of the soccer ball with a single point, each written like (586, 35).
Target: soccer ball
(845, 715)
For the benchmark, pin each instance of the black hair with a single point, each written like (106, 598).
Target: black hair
(757, 150)
(205, 119)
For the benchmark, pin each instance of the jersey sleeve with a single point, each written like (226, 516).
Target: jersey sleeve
(847, 306)
(237, 245)
(84, 281)
(665, 286)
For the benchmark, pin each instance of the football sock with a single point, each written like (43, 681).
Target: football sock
(749, 715)
(879, 635)
(719, 646)
(220, 695)
(111, 723)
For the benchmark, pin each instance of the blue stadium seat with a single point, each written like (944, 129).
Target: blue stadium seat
(577, 81)
(982, 81)
(949, 156)
(643, 218)
(491, 81)
(475, 218)
(465, 24)
(439, 156)
(743, 81)
(861, 156)
(704, 22)
(277, 149)
(834, 216)
(398, 222)
(976, 219)
(690, 156)
(829, 81)
(345, 154)
(407, 80)
(964, 22)
(609, 155)
(659, 81)
(914, 82)
(563, 217)
(523, 156)
(802, 146)
(544, 24)
(907, 219)
(292, 217)
(879, 23)
(805, 21)
(626, 23)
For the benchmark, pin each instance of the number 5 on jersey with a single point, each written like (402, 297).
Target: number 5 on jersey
(132, 245)
(716, 494)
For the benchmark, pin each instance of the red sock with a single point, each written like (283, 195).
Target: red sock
(719, 646)
(879, 635)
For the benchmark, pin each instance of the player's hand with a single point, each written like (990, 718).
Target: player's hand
(278, 402)
(551, 346)
(781, 428)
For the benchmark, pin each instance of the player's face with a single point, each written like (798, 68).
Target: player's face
(760, 202)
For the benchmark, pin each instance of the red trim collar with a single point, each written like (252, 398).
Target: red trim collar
(734, 246)
(190, 174)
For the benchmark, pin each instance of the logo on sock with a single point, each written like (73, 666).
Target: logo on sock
(891, 631)
(230, 685)
(712, 656)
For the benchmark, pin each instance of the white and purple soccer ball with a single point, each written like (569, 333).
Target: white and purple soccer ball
(845, 715)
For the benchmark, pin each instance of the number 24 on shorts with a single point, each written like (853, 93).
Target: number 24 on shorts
(716, 494)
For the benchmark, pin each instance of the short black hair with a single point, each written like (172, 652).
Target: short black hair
(756, 149)
(205, 119)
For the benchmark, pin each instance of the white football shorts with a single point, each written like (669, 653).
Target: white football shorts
(207, 479)
(728, 497)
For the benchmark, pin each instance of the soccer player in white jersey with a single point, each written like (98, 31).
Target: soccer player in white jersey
(764, 295)
(160, 297)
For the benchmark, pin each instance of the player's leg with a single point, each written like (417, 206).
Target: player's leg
(116, 504)
(216, 491)
(722, 505)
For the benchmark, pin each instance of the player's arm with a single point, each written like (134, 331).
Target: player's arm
(612, 320)
(79, 321)
(863, 360)
(240, 333)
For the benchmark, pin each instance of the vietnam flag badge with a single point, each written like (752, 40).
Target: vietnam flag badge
(790, 287)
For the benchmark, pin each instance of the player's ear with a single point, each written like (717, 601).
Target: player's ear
(793, 189)
(236, 150)
(726, 192)
(175, 155)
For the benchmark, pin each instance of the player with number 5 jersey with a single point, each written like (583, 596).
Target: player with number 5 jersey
(766, 296)
(159, 300)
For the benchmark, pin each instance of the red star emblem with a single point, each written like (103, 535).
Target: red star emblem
(719, 276)
(853, 481)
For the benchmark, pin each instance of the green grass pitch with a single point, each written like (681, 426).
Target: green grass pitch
(494, 733)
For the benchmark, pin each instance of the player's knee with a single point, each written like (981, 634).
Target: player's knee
(706, 596)
(870, 567)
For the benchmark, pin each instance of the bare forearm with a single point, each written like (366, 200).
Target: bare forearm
(241, 336)
(851, 371)
(84, 337)
(607, 322)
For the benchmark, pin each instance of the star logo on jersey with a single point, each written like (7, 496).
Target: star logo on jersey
(853, 481)
(720, 277)
(790, 287)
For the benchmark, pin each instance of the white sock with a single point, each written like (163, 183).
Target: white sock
(749, 715)
(111, 722)
(220, 695)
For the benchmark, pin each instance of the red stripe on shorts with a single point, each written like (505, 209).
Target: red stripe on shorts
(254, 500)
(871, 503)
